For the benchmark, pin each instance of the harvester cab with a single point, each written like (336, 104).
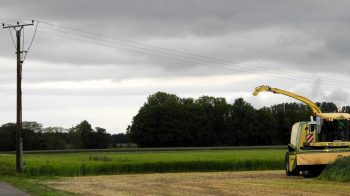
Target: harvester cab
(316, 143)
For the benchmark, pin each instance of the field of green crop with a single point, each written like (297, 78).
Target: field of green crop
(97, 163)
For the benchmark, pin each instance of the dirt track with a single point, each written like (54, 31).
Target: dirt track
(213, 183)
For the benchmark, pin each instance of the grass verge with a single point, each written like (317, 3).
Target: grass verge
(33, 186)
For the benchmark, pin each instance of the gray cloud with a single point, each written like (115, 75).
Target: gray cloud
(312, 36)
(296, 45)
(340, 97)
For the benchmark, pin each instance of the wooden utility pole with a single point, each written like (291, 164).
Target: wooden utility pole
(19, 145)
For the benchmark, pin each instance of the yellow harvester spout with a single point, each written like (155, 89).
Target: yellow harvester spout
(315, 109)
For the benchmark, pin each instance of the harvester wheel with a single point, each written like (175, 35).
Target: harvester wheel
(294, 172)
(286, 165)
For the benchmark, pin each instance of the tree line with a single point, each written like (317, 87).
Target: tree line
(82, 136)
(167, 120)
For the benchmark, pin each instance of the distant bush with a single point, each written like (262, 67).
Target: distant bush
(337, 171)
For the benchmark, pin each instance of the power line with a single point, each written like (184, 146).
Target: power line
(31, 42)
(13, 41)
(205, 63)
(187, 58)
(167, 50)
(196, 60)
(183, 55)
(23, 40)
(112, 46)
(190, 55)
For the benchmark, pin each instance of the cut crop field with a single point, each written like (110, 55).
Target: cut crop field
(98, 163)
(200, 183)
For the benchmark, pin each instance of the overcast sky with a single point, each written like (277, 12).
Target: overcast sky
(99, 60)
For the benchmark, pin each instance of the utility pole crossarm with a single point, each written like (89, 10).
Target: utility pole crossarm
(15, 26)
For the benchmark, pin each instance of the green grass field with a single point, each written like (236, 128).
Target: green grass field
(97, 163)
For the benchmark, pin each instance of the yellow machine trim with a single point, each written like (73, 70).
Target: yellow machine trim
(323, 158)
(329, 144)
(292, 162)
(335, 116)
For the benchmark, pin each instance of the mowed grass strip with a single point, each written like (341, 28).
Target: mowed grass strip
(94, 163)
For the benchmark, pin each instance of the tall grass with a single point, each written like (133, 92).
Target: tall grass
(135, 149)
(93, 163)
(337, 171)
(7, 164)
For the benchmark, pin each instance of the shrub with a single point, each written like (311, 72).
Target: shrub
(337, 171)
